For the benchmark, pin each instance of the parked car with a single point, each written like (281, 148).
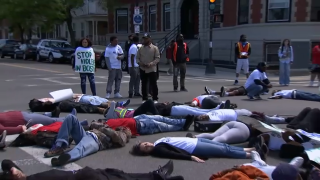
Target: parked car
(54, 50)
(97, 51)
(124, 61)
(7, 47)
(26, 51)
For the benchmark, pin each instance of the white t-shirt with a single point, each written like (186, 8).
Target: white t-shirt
(185, 143)
(222, 115)
(112, 52)
(256, 74)
(287, 94)
(133, 50)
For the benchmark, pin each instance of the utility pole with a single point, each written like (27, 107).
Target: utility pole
(210, 68)
(137, 19)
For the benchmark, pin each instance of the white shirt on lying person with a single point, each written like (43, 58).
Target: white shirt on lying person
(222, 115)
(286, 94)
(185, 143)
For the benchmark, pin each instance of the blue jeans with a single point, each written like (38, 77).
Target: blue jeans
(209, 148)
(151, 124)
(284, 73)
(255, 90)
(93, 100)
(302, 95)
(85, 143)
(83, 77)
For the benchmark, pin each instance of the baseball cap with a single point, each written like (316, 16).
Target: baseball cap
(285, 171)
(262, 64)
(146, 35)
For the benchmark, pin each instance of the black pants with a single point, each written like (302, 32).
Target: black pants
(210, 102)
(152, 79)
(307, 120)
(68, 105)
(97, 174)
(147, 107)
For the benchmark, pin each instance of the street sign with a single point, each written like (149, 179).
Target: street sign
(136, 10)
(137, 19)
(136, 29)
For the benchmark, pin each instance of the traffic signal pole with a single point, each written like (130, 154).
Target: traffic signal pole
(210, 68)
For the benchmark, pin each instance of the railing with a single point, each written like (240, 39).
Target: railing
(165, 41)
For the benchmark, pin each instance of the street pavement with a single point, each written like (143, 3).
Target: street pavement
(23, 80)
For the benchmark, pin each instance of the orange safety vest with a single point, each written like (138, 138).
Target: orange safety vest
(175, 49)
(243, 48)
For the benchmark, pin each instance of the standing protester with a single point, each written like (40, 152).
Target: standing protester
(134, 84)
(128, 44)
(180, 55)
(114, 55)
(169, 57)
(148, 57)
(315, 66)
(285, 54)
(243, 51)
(85, 46)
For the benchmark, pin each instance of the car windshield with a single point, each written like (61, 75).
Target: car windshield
(60, 44)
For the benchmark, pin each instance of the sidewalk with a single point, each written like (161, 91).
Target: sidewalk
(225, 73)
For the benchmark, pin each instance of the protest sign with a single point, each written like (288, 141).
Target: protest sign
(275, 129)
(62, 95)
(84, 60)
(314, 154)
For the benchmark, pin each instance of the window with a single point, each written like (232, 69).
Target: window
(271, 52)
(166, 17)
(243, 11)
(122, 20)
(82, 30)
(278, 11)
(152, 18)
(315, 10)
(217, 10)
(141, 12)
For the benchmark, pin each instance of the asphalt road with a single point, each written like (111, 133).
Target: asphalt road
(23, 80)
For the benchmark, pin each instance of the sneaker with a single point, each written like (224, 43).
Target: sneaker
(155, 101)
(236, 82)
(250, 97)
(207, 90)
(175, 89)
(117, 95)
(108, 95)
(61, 160)
(297, 162)
(189, 121)
(222, 91)
(54, 151)
(124, 103)
(227, 104)
(257, 97)
(255, 157)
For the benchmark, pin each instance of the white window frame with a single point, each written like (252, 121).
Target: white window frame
(152, 12)
(121, 13)
(287, 5)
(166, 9)
(82, 29)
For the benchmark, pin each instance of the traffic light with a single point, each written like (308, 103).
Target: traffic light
(212, 4)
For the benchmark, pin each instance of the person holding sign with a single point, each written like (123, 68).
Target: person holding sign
(85, 65)
(114, 54)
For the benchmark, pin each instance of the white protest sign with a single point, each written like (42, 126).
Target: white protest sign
(84, 60)
(271, 128)
(62, 95)
(314, 154)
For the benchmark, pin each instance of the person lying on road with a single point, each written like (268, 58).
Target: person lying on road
(295, 94)
(87, 142)
(193, 149)
(12, 172)
(235, 91)
(210, 102)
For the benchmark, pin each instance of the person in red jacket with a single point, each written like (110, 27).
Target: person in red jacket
(169, 57)
(16, 122)
(315, 67)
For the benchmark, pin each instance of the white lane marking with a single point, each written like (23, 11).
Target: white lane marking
(65, 74)
(9, 80)
(38, 152)
(32, 85)
(31, 75)
(54, 81)
(10, 138)
(27, 162)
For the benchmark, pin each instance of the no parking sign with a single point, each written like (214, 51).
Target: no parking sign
(137, 19)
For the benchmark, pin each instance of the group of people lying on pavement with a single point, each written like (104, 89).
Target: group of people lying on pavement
(119, 124)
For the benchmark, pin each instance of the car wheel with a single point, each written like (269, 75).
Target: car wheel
(15, 56)
(51, 58)
(24, 57)
(124, 65)
(1, 55)
(39, 59)
(103, 64)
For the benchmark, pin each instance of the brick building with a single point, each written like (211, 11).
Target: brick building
(265, 22)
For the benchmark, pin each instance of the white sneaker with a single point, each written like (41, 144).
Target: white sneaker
(255, 157)
(143, 102)
(155, 102)
(297, 162)
(108, 95)
(117, 95)
(274, 119)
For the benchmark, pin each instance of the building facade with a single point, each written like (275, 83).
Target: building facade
(265, 22)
